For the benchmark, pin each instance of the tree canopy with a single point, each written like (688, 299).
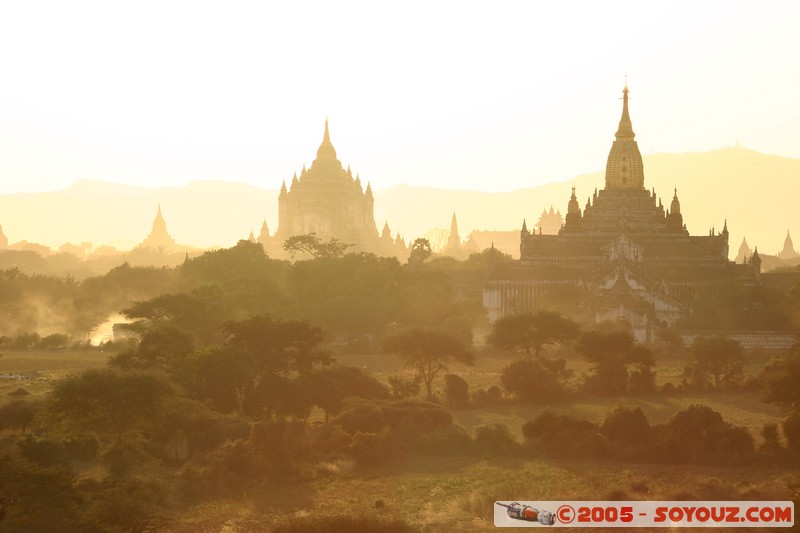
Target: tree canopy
(718, 357)
(311, 244)
(428, 351)
(532, 331)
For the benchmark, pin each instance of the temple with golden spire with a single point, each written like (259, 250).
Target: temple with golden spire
(328, 201)
(623, 246)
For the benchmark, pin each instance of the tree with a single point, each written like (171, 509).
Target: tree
(263, 369)
(420, 252)
(333, 384)
(531, 331)
(402, 387)
(275, 346)
(779, 382)
(427, 351)
(483, 259)
(120, 409)
(437, 237)
(356, 294)
(162, 346)
(612, 354)
(200, 312)
(538, 380)
(309, 243)
(718, 357)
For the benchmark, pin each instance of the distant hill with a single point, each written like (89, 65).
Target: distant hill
(759, 195)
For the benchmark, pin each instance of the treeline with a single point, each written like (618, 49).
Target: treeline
(353, 296)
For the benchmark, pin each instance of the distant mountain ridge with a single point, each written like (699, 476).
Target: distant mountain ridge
(758, 194)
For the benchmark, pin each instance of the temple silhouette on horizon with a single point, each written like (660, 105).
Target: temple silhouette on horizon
(159, 238)
(328, 201)
(623, 245)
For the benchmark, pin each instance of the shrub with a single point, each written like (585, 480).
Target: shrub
(443, 442)
(401, 387)
(37, 498)
(626, 425)
(539, 380)
(17, 414)
(698, 434)
(130, 505)
(456, 391)
(492, 396)
(791, 431)
(557, 435)
(494, 440)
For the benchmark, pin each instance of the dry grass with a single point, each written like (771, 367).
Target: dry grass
(458, 494)
(35, 371)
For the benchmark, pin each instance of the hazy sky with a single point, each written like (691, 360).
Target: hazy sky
(490, 96)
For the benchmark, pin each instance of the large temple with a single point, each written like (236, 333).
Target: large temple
(625, 247)
(328, 201)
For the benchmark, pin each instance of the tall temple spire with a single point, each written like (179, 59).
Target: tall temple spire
(625, 130)
(624, 169)
(453, 246)
(159, 224)
(326, 151)
(788, 251)
(675, 206)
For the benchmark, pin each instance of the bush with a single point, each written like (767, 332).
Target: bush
(56, 341)
(130, 505)
(557, 435)
(698, 434)
(495, 440)
(17, 414)
(445, 442)
(401, 387)
(626, 425)
(456, 391)
(791, 431)
(374, 431)
(36, 498)
(539, 380)
(492, 396)
(278, 444)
